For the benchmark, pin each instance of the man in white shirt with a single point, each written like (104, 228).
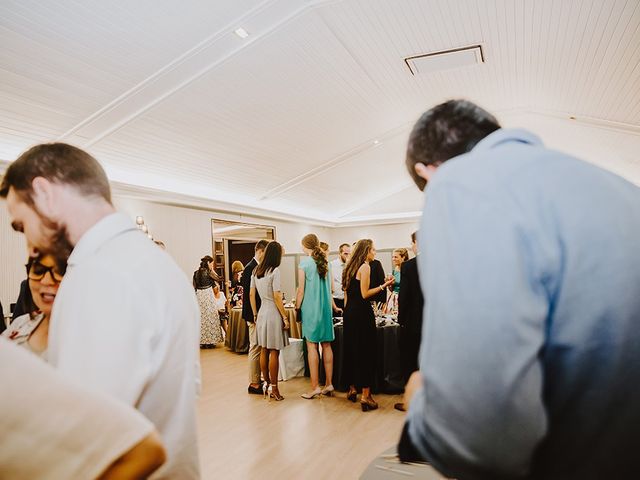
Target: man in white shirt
(337, 266)
(125, 321)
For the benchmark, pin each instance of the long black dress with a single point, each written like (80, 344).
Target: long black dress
(359, 338)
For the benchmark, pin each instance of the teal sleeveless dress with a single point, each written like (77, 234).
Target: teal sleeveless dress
(317, 321)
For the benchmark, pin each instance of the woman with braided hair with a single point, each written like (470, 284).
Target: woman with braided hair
(314, 300)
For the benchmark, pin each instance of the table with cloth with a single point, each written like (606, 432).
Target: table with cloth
(238, 332)
(388, 376)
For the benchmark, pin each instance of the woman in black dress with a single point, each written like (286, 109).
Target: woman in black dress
(360, 323)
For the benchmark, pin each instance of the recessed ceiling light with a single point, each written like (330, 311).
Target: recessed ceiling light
(376, 142)
(241, 32)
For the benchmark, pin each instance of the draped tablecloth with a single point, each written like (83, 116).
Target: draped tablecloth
(237, 332)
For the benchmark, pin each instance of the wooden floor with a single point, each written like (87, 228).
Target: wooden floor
(246, 437)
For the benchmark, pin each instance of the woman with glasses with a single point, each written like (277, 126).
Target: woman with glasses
(31, 330)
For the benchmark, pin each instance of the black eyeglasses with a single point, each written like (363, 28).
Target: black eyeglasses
(38, 271)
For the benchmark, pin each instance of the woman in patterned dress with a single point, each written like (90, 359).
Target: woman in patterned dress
(210, 330)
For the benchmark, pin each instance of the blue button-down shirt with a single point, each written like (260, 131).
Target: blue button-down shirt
(530, 355)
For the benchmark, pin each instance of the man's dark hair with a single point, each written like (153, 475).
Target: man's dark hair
(343, 246)
(261, 245)
(413, 236)
(446, 131)
(59, 163)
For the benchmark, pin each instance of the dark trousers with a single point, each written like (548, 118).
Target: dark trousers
(339, 302)
(409, 344)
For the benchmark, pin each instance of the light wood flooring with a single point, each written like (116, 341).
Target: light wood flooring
(246, 437)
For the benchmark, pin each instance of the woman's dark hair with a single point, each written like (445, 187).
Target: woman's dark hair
(271, 260)
(312, 243)
(204, 264)
(205, 261)
(358, 257)
(446, 131)
(202, 279)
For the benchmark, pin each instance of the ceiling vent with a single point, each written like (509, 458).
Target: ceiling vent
(445, 60)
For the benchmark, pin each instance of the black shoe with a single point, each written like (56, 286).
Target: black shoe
(255, 390)
(400, 406)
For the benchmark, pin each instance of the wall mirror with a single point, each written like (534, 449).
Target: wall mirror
(233, 241)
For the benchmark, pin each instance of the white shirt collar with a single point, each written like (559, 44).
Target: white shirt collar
(109, 227)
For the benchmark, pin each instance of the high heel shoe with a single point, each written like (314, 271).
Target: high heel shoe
(275, 395)
(352, 396)
(265, 388)
(313, 394)
(328, 390)
(368, 404)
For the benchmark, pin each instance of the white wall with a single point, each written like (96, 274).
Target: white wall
(187, 234)
(395, 235)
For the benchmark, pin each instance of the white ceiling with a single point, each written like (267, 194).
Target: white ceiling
(171, 101)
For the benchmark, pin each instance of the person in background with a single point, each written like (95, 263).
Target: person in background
(24, 302)
(221, 305)
(210, 329)
(529, 364)
(247, 315)
(360, 323)
(410, 307)
(378, 278)
(53, 428)
(336, 266)
(270, 318)
(235, 287)
(399, 256)
(125, 320)
(314, 300)
(31, 330)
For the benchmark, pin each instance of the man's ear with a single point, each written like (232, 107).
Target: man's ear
(44, 196)
(425, 171)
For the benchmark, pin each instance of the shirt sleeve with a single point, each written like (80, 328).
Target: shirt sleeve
(480, 412)
(276, 280)
(53, 428)
(113, 352)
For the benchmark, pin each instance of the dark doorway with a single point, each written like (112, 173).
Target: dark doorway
(242, 250)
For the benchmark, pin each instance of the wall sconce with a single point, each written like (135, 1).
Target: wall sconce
(143, 227)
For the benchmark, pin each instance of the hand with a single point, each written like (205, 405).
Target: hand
(338, 310)
(413, 385)
(286, 323)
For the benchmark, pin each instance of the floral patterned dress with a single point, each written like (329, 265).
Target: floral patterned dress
(210, 330)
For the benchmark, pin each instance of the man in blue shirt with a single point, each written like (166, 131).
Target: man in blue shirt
(530, 355)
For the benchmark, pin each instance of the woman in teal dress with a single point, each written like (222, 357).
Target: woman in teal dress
(314, 300)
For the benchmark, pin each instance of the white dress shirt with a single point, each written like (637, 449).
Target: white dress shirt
(220, 302)
(336, 278)
(126, 322)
